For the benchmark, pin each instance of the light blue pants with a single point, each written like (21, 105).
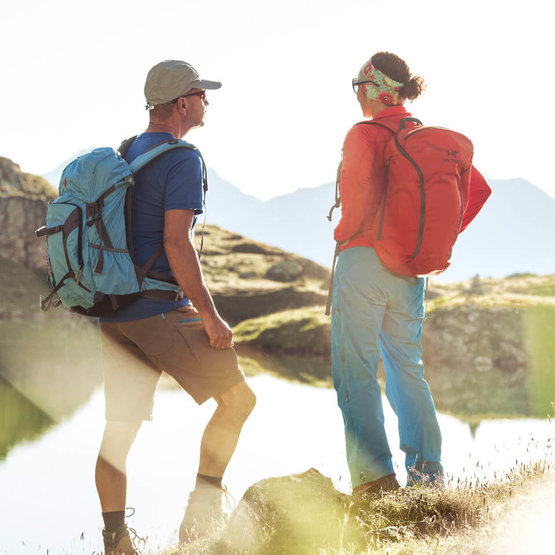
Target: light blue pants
(377, 313)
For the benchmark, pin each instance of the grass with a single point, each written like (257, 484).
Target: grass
(289, 515)
(303, 330)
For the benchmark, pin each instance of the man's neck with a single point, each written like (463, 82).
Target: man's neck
(175, 129)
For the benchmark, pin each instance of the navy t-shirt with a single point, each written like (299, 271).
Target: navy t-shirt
(171, 182)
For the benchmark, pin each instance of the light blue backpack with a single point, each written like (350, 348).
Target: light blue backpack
(91, 266)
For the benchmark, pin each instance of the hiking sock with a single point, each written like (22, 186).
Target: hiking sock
(203, 481)
(113, 520)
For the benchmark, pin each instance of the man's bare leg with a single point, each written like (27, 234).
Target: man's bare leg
(219, 440)
(111, 484)
(222, 431)
(110, 474)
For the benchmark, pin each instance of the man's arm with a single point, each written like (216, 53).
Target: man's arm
(185, 266)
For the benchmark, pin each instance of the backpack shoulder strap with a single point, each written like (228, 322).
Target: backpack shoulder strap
(122, 149)
(393, 126)
(156, 151)
(389, 125)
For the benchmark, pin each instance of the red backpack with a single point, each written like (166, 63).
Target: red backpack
(425, 196)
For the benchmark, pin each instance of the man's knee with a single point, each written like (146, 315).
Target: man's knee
(125, 431)
(239, 400)
(117, 440)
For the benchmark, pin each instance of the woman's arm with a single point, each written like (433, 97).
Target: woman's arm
(479, 192)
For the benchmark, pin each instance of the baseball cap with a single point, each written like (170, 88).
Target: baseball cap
(170, 79)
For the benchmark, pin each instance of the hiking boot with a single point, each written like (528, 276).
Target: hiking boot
(119, 541)
(204, 514)
(435, 479)
(375, 487)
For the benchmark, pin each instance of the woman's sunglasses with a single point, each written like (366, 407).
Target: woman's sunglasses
(356, 84)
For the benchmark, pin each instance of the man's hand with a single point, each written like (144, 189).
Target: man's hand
(219, 333)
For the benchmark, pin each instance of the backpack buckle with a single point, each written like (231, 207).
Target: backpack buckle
(79, 274)
(46, 302)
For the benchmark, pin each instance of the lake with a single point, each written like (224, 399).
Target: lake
(49, 502)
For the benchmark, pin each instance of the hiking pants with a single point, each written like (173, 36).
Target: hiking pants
(377, 313)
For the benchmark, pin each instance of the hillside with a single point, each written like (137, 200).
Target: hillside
(249, 279)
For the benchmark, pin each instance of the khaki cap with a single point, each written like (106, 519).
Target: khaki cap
(172, 78)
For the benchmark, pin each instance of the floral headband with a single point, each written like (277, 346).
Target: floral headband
(379, 86)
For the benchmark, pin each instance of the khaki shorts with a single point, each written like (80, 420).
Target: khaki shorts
(135, 353)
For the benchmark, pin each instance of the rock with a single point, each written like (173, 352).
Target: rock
(285, 270)
(23, 201)
(483, 364)
(253, 248)
(290, 514)
(476, 287)
(507, 363)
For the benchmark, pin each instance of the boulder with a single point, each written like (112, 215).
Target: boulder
(290, 514)
(285, 270)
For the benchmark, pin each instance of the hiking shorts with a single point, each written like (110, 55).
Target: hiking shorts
(135, 353)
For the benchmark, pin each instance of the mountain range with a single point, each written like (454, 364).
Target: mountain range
(514, 232)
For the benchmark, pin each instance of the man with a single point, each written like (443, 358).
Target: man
(190, 342)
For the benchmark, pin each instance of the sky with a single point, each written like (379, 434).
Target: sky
(73, 75)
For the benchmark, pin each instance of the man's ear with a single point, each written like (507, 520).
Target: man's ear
(182, 102)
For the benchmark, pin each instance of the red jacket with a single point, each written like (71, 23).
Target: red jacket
(362, 181)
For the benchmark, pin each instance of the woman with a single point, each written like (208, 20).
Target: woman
(374, 311)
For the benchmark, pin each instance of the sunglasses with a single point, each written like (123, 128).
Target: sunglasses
(356, 84)
(202, 95)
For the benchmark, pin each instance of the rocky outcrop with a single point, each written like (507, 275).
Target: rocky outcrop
(471, 339)
(23, 201)
(291, 514)
(471, 351)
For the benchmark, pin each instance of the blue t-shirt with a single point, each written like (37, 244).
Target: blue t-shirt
(171, 182)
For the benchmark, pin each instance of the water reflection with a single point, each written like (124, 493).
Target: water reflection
(49, 367)
(293, 427)
(21, 419)
(51, 429)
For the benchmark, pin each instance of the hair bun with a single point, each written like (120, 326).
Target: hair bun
(394, 67)
(413, 88)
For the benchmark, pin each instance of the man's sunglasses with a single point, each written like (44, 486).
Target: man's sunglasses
(202, 95)
(356, 84)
